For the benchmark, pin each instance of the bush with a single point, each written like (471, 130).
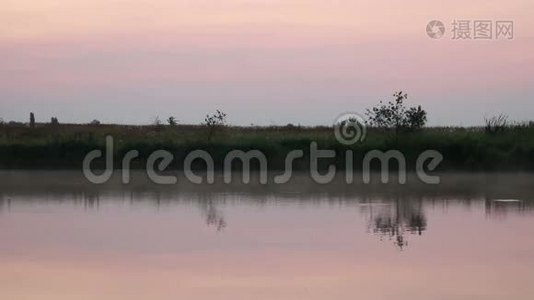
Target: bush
(416, 117)
(395, 115)
(496, 124)
(172, 121)
(214, 121)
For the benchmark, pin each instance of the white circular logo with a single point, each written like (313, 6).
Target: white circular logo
(350, 128)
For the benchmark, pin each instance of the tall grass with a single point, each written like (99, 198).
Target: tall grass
(65, 145)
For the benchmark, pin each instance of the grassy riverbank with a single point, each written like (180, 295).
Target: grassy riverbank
(64, 146)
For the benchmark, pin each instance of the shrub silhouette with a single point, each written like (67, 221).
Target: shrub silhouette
(395, 114)
(214, 122)
(496, 124)
(172, 121)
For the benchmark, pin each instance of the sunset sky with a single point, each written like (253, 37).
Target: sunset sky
(263, 62)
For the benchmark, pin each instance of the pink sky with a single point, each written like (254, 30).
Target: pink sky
(263, 62)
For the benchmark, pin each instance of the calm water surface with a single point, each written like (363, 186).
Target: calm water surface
(472, 237)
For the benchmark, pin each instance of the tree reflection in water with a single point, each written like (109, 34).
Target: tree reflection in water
(392, 220)
(213, 215)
